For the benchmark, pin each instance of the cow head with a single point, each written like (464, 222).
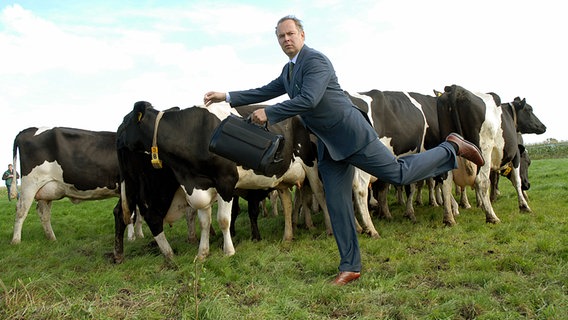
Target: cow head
(134, 132)
(527, 121)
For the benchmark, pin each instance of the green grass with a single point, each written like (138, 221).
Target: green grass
(517, 269)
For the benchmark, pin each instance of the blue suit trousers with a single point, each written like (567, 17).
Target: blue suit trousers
(377, 160)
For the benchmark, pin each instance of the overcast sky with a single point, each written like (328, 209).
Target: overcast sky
(84, 64)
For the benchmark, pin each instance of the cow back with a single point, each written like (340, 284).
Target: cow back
(87, 158)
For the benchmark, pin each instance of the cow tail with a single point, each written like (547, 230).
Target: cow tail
(14, 189)
(454, 111)
(126, 212)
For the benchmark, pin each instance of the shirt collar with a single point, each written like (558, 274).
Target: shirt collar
(294, 59)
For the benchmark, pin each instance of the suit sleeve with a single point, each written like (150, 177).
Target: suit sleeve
(316, 74)
(270, 91)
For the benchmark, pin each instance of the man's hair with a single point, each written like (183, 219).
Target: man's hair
(297, 21)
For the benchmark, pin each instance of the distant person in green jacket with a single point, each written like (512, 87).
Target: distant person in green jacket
(8, 177)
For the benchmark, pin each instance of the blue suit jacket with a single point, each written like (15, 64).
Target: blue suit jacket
(316, 96)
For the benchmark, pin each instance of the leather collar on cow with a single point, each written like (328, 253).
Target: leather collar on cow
(514, 111)
(156, 162)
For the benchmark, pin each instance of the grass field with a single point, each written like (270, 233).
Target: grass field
(517, 269)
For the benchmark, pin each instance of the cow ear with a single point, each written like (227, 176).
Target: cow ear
(140, 108)
(437, 93)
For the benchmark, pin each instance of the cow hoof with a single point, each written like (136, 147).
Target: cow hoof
(116, 258)
(493, 220)
(192, 240)
(375, 235)
(171, 264)
(411, 217)
(16, 241)
(449, 223)
(525, 209)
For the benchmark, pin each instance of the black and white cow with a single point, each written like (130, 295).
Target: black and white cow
(63, 162)
(191, 175)
(492, 126)
(406, 123)
(158, 196)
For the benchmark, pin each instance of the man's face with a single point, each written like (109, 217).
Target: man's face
(291, 40)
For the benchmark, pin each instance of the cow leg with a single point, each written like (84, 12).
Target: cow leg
(190, 215)
(22, 208)
(494, 185)
(448, 219)
(134, 230)
(138, 225)
(434, 193)
(317, 188)
(224, 221)
(314, 203)
(302, 205)
(44, 212)
(308, 207)
(399, 196)
(255, 196)
(264, 207)
(516, 181)
(286, 198)
(130, 231)
(155, 222)
(361, 182)
(373, 202)
(204, 216)
(437, 194)
(296, 206)
(482, 194)
(235, 211)
(274, 202)
(164, 246)
(119, 227)
(464, 201)
(418, 194)
(411, 191)
(381, 191)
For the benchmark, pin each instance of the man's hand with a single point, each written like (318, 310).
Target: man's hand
(213, 96)
(259, 116)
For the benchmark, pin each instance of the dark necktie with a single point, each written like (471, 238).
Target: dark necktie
(290, 68)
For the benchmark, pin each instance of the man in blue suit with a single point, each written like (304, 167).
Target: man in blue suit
(345, 137)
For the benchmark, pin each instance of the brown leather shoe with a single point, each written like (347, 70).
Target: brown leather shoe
(466, 149)
(345, 277)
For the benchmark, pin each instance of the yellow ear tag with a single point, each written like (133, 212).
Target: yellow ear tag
(139, 116)
(156, 162)
(506, 171)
